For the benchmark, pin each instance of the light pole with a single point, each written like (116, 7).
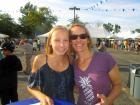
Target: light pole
(74, 8)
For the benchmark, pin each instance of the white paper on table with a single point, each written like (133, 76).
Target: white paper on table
(36, 103)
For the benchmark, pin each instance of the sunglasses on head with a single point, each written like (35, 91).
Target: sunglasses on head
(81, 36)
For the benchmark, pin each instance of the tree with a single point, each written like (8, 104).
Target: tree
(108, 27)
(117, 28)
(36, 20)
(8, 26)
(111, 28)
(137, 30)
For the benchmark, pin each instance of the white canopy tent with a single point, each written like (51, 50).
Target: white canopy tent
(98, 32)
(137, 36)
(3, 36)
(126, 34)
(43, 37)
(115, 37)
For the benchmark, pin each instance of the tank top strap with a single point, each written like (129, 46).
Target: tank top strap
(46, 58)
(69, 58)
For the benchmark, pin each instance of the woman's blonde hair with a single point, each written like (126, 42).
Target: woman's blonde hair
(90, 43)
(49, 49)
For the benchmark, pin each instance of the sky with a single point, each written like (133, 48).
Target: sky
(125, 13)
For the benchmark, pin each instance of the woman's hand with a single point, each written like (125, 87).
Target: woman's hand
(45, 100)
(104, 100)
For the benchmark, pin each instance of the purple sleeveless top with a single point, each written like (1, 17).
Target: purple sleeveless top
(95, 79)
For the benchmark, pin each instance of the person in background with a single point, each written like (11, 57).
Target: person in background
(34, 46)
(97, 75)
(138, 49)
(102, 46)
(52, 75)
(28, 49)
(38, 44)
(1, 55)
(9, 66)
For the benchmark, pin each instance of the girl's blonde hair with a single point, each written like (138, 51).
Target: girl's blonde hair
(49, 49)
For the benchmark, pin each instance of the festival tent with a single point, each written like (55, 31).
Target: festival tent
(43, 37)
(137, 36)
(98, 32)
(115, 37)
(126, 34)
(3, 36)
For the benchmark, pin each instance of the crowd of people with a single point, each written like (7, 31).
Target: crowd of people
(69, 65)
(118, 44)
(127, 45)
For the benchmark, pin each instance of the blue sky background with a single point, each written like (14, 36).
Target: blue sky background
(91, 11)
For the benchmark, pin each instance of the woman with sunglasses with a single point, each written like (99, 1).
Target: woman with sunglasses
(97, 75)
(52, 75)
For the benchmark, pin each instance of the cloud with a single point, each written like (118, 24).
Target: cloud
(60, 8)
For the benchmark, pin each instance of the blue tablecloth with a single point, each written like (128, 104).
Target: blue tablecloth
(33, 101)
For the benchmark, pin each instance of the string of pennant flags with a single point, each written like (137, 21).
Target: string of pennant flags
(89, 9)
(108, 10)
(94, 7)
(98, 4)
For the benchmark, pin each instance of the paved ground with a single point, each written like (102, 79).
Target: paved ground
(123, 59)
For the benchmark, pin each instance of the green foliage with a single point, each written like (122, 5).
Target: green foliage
(111, 28)
(108, 27)
(117, 28)
(36, 20)
(137, 30)
(8, 26)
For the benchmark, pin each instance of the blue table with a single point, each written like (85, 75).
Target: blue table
(33, 101)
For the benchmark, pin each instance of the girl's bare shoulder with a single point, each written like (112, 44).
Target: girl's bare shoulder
(38, 62)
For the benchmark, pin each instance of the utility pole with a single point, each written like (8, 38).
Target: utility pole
(74, 8)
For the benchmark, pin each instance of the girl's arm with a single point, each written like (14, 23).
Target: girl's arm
(38, 62)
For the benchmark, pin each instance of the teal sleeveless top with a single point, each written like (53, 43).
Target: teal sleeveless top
(58, 85)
